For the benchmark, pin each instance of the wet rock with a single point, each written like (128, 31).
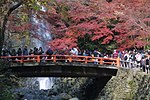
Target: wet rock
(52, 92)
(36, 85)
(74, 99)
(30, 94)
(55, 98)
(65, 96)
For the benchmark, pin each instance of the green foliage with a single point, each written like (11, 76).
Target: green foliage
(33, 4)
(147, 47)
(85, 43)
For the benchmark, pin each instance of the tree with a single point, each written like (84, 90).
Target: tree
(119, 23)
(132, 29)
(4, 23)
(10, 6)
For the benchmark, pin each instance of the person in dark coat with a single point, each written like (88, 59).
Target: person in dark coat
(5, 52)
(19, 53)
(35, 51)
(13, 53)
(25, 50)
(147, 64)
(40, 51)
(31, 52)
(49, 52)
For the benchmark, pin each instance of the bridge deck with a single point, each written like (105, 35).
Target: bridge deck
(62, 66)
(63, 70)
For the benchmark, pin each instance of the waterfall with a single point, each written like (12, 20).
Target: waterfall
(42, 35)
(45, 83)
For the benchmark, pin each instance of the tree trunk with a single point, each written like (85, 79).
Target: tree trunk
(5, 20)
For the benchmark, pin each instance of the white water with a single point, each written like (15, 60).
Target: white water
(45, 83)
(41, 35)
(44, 36)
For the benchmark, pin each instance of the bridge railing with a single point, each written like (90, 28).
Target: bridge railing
(63, 58)
(130, 63)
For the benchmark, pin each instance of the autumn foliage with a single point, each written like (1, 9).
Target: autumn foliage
(119, 24)
(123, 23)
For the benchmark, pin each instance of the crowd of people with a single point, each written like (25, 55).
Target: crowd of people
(24, 51)
(129, 58)
(133, 58)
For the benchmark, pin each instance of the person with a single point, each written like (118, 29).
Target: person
(74, 51)
(147, 64)
(55, 52)
(115, 54)
(19, 53)
(5, 52)
(96, 53)
(25, 50)
(126, 59)
(13, 53)
(95, 60)
(85, 53)
(143, 63)
(120, 54)
(49, 51)
(40, 51)
(31, 52)
(138, 57)
(35, 51)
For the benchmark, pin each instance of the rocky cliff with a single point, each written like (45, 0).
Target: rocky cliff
(127, 85)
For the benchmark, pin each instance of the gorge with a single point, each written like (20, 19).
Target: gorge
(89, 26)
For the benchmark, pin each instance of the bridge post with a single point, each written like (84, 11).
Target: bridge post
(86, 60)
(118, 62)
(38, 58)
(70, 59)
(101, 61)
(21, 61)
(54, 58)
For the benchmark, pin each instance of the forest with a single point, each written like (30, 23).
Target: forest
(87, 24)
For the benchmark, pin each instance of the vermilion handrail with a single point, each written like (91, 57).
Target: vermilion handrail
(66, 58)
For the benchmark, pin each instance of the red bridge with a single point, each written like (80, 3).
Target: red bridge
(62, 66)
